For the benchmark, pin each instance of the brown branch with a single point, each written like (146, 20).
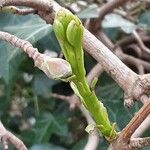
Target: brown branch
(140, 42)
(136, 49)
(93, 138)
(124, 76)
(131, 39)
(139, 117)
(24, 45)
(123, 140)
(133, 60)
(7, 136)
(119, 52)
(94, 72)
(37, 4)
(129, 95)
(73, 102)
(145, 125)
(109, 7)
(139, 142)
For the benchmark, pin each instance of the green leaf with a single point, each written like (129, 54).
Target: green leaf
(29, 28)
(42, 85)
(4, 67)
(117, 21)
(45, 126)
(89, 12)
(79, 145)
(144, 19)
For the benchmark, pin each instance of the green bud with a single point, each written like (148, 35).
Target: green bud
(56, 68)
(59, 30)
(74, 33)
(64, 16)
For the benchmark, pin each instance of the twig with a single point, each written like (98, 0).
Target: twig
(136, 49)
(93, 138)
(45, 5)
(139, 142)
(142, 128)
(136, 121)
(6, 136)
(124, 138)
(73, 102)
(131, 39)
(18, 11)
(133, 60)
(95, 24)
(140, 42)
(119, 52)
(95, 72)
(24, 45)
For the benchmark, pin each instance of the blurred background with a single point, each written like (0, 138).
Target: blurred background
(27, 106)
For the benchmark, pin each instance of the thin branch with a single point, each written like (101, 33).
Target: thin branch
(140, 42)
(73, 102)
(131, 39)
(136, 49)
(145, 125)
(124, 138)
(7, 136)
(133, 60)
(24, 45)
(124, 76)
(129, 95)
(119, 52)
(140, 142)
(93, 138)
(18, 11)
(94, 72)
(109, 7)
(136, 121)
(104, 10)
(45, 5)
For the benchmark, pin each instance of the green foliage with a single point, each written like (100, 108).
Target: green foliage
(111, 21)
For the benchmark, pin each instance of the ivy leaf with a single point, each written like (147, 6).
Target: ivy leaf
(117, 21)
(89, 12)
(29, 28)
